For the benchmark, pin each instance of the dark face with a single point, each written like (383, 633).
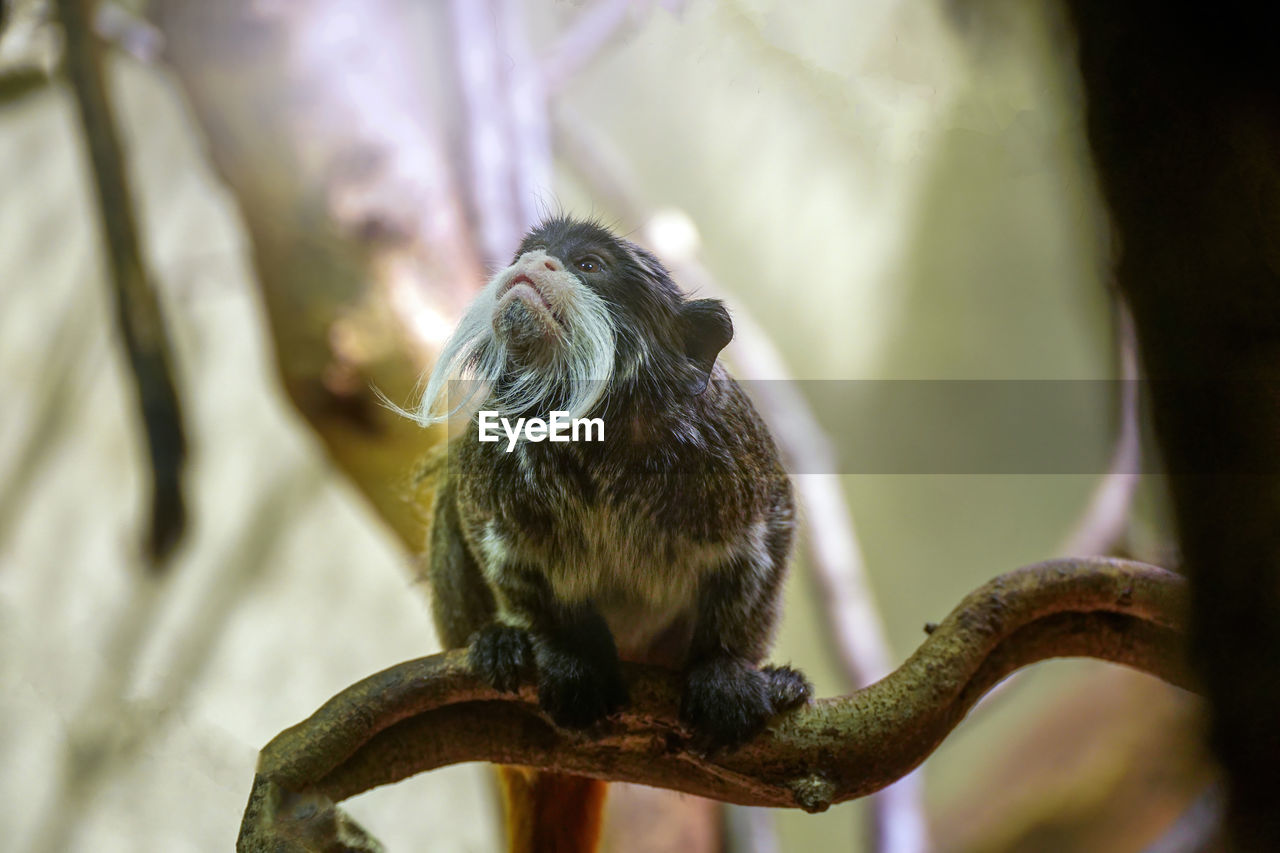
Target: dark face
(655, 327)
(578, 318)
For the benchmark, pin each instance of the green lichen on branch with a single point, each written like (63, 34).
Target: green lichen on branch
(432, 712)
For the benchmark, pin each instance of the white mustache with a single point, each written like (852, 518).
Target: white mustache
(474, 359)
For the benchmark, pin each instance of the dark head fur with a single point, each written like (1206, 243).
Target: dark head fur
(661, 335)
(579, 318)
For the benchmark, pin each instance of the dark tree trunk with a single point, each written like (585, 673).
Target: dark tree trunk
(1183, 111)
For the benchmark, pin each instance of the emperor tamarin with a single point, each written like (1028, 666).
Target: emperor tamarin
(667, 542)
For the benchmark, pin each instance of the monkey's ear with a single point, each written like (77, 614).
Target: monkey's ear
(707, 330)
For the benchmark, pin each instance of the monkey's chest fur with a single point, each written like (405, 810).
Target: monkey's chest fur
(632, 529)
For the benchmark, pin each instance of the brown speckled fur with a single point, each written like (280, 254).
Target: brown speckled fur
(668, 541)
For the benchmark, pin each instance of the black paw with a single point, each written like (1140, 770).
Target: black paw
(578, 691)
(788, 688)
(726, 701)
(501, 655)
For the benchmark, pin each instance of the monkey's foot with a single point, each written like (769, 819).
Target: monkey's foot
(727, 701)
(788, 688)
(578, 691)
(501, 655)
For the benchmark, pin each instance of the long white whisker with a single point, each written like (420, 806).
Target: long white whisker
(575, 380)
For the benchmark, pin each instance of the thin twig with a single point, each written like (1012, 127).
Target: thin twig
(1106, 518)
(434, 711)
(137, 306)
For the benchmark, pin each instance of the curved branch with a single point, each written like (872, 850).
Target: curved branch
(432, 712)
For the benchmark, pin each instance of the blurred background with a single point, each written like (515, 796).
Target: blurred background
(881, 189)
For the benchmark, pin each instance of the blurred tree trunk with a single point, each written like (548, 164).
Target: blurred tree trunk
(1183, 117)
(357, 233)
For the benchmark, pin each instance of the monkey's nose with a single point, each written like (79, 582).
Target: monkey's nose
(551, 264)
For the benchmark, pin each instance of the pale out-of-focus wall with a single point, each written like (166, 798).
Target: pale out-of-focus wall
(288, 589)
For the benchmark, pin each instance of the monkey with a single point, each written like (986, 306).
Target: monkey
(667, 542)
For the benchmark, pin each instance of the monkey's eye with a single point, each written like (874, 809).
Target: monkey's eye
(588, 264)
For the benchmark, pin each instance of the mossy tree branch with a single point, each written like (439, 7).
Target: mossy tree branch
(433, 711)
